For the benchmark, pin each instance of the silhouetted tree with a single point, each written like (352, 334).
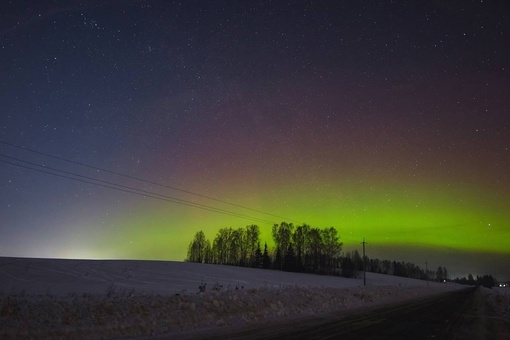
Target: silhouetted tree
(278, 260)
(440, 274)
(208, 257)
(399, 269)
(374, 266)
(222, 244)
(304, 249)
(266, 261)
(315, 248)
(252, 242)
(290, 262)
(486, 281)
(331, 248)
(358, 260)
(387, 267)
(282, 236)
(257, 263)
(299, 238)
(237, 247)
(347, 266)
(197, 248)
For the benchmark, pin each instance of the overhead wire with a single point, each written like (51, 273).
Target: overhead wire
(146, 193)
(146, 181)
(124, 188)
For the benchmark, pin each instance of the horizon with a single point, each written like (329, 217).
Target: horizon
(456, 270)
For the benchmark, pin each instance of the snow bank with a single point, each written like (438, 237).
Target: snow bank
(498, 299)
(118, 314)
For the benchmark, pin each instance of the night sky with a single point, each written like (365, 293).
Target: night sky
(388, 120)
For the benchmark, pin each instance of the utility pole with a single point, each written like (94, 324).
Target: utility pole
(364, 264)
(427, 272)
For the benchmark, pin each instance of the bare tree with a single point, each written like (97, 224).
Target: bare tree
(282, 236)
(332, 248)
(315, 247)
(197, 249)
(299, 238)
(221, 246)
(252, 243)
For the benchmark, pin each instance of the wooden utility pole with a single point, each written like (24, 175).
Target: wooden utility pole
(364, 264)
(427, 272)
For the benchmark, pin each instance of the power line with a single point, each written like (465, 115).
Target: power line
(145, 181)
(128, 189)
(136, 191)
(364, 264)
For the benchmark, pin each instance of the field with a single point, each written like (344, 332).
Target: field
(118, 298)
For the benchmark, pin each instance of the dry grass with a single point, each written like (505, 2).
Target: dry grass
(120, 313)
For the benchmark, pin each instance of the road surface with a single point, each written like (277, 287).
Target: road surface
(453, 315)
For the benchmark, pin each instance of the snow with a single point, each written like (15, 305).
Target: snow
(63, 277)
(118, 298)
(503, 291)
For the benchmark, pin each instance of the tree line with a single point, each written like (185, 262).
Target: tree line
(299, 249)
(485, 280)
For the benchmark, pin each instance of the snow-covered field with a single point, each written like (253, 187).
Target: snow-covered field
(85, 298)
(96, 277)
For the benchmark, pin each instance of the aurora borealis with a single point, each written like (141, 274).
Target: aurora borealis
(387, 120)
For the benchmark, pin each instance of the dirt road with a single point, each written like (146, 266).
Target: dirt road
(456, 315)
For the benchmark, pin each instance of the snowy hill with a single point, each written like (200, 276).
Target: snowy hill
(64, 277)
(85, 298)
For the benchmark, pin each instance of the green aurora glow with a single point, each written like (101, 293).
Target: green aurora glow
(462, 219)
